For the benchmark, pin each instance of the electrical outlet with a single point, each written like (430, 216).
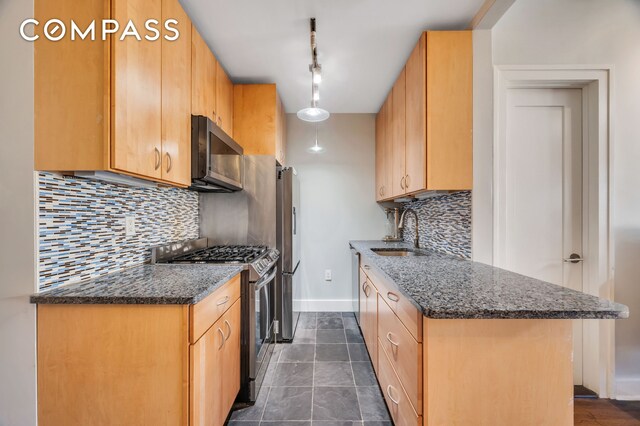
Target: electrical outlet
(327, 274)
(130, 226)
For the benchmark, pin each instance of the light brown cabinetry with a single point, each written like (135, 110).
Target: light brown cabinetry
(98, 105)
(176, 98)
(398, 118)
(136, 364)
(369, 316)
(259, 120)
(224, 100)
(465, 371)
(203, 77)
(431, 118)
(215, 369)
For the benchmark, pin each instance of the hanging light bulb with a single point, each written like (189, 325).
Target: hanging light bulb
(314, 114)
(315, 148)
(317, 74)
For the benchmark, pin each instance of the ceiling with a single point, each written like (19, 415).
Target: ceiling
(362, 44)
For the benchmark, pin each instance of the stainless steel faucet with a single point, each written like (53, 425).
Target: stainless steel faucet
(416, 240)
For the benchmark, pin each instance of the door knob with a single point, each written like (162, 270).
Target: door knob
(574, 258)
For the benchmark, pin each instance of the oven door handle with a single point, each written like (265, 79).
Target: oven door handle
(266, 280)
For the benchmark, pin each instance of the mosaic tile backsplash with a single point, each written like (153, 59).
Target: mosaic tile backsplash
(444, 223)
(81, 226)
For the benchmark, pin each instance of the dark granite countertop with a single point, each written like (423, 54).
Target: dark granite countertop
(444, 286)
(145, 284)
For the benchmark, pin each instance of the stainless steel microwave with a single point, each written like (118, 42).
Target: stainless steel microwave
(216, 159)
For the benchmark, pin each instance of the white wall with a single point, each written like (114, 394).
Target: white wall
(17, 229)
(337, 202)
(589, 32)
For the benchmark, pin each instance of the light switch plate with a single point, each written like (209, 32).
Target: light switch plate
(327, 275)
(130, 226)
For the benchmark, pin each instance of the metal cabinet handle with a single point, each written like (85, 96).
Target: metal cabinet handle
(574, 258)
(223, 339)
(367, 267)
(223, 301)
(157, 153)
(392, 296)
(402, 182)
(396, 344)
(365, 291)
(380, 191)
(395, 401)
(229, 327)
(169, 163)
(406, 182)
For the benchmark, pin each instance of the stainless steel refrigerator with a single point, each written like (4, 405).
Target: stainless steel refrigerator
(288, 286)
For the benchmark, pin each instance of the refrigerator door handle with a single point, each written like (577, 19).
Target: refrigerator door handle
(288, 274)
(295, 221)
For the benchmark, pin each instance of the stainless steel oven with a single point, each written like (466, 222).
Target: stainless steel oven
(258, 327)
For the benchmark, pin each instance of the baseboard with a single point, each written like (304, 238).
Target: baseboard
(628, 389)
(324, 305)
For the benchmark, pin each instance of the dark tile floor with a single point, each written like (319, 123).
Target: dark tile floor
(323, 378)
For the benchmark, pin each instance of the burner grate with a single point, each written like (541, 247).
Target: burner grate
(222, 254)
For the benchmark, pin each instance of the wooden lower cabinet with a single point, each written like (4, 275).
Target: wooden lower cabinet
(369, 316)
(135, 365)
(400, 407)
(481, 372)
(402, 351)
(215, 370)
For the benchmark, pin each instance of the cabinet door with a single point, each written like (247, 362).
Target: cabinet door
(136, 94)
(398, 138)
(231, 357)
(280, 131)
(449, 61)
(379, 154)
(206, 377)
(203, 77)
(224, 100)
(387, 191)
(176, 98)
(416, 118)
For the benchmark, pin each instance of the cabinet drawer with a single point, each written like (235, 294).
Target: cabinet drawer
(404, 353)
(203, 314)
(404, 308)
(399, 406)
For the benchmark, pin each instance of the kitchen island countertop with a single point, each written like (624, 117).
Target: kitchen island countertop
(145, 284)
(445, 286)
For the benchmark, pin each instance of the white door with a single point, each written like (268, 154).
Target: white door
(540, 196)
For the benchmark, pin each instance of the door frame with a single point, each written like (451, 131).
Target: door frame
(598, 279)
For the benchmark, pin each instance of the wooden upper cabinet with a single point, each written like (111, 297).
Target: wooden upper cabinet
(259, 120)
(416, 123)
(281, 132)
(379, 155)
(119, 106)
(203, 77)
(398, 137)
(137, 94)
(224, 100)
(449, 62)
(430, 118)
(388, 147)
(176, 98)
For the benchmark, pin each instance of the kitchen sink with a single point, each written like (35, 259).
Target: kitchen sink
(396, 252)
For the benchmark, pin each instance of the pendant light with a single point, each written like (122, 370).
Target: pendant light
(314, 114)
(316, 149)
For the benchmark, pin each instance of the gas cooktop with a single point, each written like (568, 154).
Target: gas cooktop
(221, 254)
